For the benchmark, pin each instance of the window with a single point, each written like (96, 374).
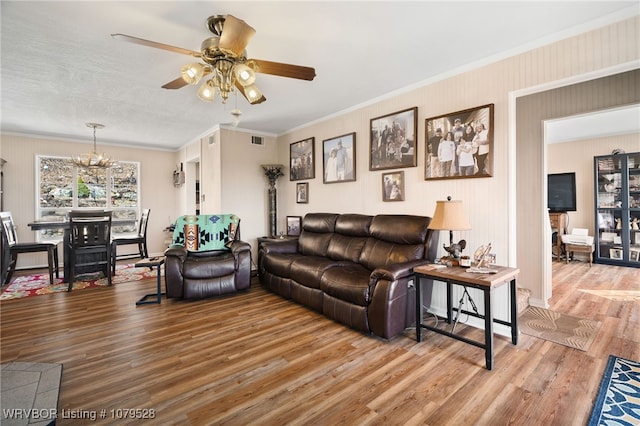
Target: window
(63, 187)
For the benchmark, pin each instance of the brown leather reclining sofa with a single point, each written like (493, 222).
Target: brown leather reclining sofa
(354, 269)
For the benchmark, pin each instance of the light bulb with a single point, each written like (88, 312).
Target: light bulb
(192, 73)
(244, 74)
(253, 93)
(207, 91)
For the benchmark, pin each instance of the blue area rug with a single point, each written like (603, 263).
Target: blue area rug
(618, 400)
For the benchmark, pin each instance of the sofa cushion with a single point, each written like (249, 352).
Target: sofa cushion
(319, 222)
(377, 253)
(204, 268)
(349, 282)
(400, 229)
(395, 239)
(345, 248)
(279, 264)
(308, 270)
(355, 225)
(351, 232)
(314, 244)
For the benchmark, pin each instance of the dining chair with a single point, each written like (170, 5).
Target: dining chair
(139, 238)
(89, 243)
(12, 248)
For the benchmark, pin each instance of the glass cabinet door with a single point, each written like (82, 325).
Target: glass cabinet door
(633, 167)
(617, 202)
(610, 234)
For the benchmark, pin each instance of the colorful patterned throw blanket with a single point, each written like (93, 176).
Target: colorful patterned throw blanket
(206, 232)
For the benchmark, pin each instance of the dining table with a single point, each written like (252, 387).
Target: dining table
(63, 223)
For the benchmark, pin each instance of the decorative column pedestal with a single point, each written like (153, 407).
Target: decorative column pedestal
(273, 172)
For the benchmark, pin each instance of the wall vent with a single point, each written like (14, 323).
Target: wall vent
(257, 140)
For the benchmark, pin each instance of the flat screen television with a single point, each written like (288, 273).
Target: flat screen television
(561, 192)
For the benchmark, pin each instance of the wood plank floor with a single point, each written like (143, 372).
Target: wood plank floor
(255, 358)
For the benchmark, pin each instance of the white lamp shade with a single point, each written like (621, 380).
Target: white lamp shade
(207, 91)
(245, 75)
(449, 215)
(253, 93)
(192, 73)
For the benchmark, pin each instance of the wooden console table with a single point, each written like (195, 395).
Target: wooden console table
(487, 283)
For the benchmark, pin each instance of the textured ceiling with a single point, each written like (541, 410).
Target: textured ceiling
(61, 68)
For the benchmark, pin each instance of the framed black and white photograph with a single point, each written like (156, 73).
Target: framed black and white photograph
(634, 255)
(294, 225)
(393, 186)
(393, 142)
(459, 145)
(615, 253)
(302, 193)
(301, 159)
(339, 159)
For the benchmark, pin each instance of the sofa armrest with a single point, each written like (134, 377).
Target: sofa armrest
(395, 271)
(288, 246)
(176, 251)
(241, 251)
(175, 256)
(390, 302)
(238, 247)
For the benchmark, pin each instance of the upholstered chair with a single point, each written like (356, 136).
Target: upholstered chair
(207, 257)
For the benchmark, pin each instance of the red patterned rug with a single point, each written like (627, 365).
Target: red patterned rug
(38, 284)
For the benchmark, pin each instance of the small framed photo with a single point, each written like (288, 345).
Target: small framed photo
(302, 193)
(459, 145)
(339, 159)
(393, 141)
(615, 253)
(393, 186)
(294, 225)
(301, 159)
(634, 255)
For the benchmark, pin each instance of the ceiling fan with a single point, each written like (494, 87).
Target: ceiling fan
(224, 57)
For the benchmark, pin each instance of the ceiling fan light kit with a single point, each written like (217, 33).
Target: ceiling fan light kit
(225, 58)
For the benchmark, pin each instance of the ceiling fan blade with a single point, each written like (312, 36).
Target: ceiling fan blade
(155, 44)
(178, 83)
(241, 90)
(284, 70)
(235, 35)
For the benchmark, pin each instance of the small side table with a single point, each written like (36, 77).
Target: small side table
(580, 248)
(150, 263)
(487, 283)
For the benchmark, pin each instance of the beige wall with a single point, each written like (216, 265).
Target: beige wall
(156, 192)
(244, 185)
(491, 202)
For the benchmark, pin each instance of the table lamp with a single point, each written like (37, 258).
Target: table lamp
(450, 216)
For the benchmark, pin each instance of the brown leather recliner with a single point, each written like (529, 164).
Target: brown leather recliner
(193, 274)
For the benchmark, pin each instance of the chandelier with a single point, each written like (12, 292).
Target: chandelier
(93, 160)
